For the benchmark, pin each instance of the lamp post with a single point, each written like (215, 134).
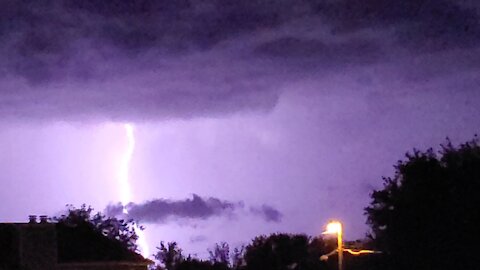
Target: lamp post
(335, 227)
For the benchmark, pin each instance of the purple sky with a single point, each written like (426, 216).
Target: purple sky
(250, 117)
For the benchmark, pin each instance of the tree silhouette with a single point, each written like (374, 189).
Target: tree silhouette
(113, 228)
(284, 251)
(238, 258)
(169, 255)
(195, 264)
(220, 254)
(427, 216)
(82, 236)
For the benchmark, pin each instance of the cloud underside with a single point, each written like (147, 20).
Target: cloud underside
(134, 60)
(162, 211)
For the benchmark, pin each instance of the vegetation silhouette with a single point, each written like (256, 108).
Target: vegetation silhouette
(84, 236)
(278, 251)
(285, 251)
(220, 255)
(427, 215)
(169, 256)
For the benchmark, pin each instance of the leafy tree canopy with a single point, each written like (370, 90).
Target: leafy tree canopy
(220, 254)
(427, 215)
(285, 251)
(169, 255)
(119, 230)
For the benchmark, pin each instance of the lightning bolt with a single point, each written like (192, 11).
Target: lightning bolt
(125, 193)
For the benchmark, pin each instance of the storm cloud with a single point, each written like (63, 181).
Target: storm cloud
(197, 208)
(151, 60)
(299, 104)
(426, 25)
(267, 212)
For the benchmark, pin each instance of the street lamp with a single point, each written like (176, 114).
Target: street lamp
(335, 227)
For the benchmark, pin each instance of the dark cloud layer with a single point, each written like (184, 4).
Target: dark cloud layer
(426, 24)
(145, 59)
(162, 210)
(319, 53)
(268, 212)
(46, 39)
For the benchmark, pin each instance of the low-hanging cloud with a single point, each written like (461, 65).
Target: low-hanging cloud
(267, 212)
(197, 208)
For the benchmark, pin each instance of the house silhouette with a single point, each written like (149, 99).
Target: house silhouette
(58, 246)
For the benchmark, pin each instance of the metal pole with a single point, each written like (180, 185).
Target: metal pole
(340, 248)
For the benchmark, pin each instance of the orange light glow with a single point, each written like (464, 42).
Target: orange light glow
(333, 227)
(363, 251)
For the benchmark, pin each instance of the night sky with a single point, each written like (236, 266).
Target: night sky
(249, 117)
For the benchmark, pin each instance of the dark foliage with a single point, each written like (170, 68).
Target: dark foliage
(196, 264)
(277, 251)
(237, 258)
(86, 237)
(220, 254)
(284, 251)
(169, 255)
(427, 216)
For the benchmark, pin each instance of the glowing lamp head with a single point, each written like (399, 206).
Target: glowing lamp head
(334, 227)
